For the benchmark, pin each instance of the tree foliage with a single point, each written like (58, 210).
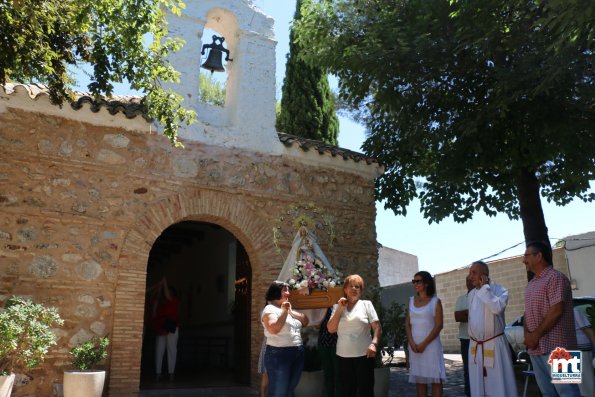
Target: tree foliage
(465, 102)
(307, 104)
(572, 20)
(43, 40)
(211, 90)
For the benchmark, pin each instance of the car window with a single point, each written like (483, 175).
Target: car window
(582, 304)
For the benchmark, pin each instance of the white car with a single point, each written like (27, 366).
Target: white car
(514, 330)
(515, 334)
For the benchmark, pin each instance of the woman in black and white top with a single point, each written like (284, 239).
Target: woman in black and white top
(284, 354)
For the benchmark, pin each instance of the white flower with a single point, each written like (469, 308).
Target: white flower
(306, 274)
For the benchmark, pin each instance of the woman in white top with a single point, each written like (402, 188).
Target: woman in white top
(284, 353)
(352, 320)
(423, 325)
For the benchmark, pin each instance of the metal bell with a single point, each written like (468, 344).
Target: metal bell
(214, 61)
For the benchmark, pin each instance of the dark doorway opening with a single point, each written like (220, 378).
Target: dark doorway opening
(211, 273)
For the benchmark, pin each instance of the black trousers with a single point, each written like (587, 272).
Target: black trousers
(356, 375)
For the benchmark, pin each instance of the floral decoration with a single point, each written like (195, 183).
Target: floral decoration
(310, 273)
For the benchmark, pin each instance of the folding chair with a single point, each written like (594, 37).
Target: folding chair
(523, 358)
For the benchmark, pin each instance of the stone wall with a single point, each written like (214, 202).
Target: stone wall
(509, 272)
(82, 204)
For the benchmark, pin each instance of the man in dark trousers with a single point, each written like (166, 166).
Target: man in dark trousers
(462, 317)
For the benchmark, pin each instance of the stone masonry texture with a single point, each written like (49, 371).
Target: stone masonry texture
(81, 206)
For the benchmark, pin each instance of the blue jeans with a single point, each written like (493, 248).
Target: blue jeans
(284, 367)
(543, 377)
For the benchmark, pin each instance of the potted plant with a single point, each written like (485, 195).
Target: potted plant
(84, 380)
(25, 337)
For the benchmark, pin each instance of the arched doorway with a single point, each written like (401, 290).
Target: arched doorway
(211, 273)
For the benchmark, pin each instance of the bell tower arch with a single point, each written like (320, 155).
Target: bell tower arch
(248, 118)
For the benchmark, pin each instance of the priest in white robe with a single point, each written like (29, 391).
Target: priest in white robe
(490, 364)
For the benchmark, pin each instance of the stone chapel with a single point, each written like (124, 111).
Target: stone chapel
(96, 206)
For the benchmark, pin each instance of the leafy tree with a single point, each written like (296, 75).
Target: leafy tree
(307, 103)
(463, 103)
(570, 20)
(211, 90)
(42, 40)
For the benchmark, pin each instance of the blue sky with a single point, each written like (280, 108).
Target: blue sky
(447, 245)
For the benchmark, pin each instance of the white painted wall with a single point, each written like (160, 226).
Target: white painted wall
(580, 253)
(248, 118)
(395, 267)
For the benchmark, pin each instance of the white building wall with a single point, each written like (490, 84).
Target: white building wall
(248, 119)
(395, 267)
(580, 254)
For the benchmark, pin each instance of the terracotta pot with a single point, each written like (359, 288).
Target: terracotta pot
(6, 383)
(83, 383)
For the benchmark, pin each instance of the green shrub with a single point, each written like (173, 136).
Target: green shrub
(86, 355)
(25, 334)
(392, 320)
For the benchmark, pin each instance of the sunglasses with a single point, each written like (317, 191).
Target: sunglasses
(414, 281)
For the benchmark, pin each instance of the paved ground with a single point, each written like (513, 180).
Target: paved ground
(454, 386)
(399, 387)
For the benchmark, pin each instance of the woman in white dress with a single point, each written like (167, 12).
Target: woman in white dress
(423, 325)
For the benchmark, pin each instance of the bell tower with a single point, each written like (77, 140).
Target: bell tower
(247, 119)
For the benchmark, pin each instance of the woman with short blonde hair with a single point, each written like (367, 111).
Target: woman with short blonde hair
(353, 319)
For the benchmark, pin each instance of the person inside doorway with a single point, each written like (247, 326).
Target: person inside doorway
(166, 324)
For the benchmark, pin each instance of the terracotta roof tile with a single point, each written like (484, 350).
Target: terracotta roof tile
(130, 105)
(322, 148)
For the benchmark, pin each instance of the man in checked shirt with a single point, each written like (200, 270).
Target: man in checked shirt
(549, 318)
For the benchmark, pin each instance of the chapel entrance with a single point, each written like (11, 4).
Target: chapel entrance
(211, 273)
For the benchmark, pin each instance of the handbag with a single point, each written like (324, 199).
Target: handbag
(170, 325)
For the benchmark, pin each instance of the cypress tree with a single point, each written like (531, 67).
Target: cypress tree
(308, 107)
